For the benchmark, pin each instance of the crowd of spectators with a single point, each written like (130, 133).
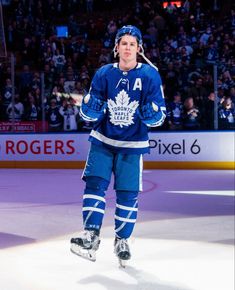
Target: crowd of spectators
(183, 42)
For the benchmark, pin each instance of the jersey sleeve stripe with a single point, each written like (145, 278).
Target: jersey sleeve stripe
(158, 123)
(86, 118)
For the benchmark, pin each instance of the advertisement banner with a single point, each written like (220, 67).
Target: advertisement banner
(44, 147)
(191, 146)
(24, 127)
(165, 147)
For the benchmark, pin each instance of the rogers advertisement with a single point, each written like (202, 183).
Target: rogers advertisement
(44, 147)
(165, 146)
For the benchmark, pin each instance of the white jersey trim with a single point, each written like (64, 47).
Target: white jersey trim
(141, 173)
(87, 118)
(158, 123)
(117, 143)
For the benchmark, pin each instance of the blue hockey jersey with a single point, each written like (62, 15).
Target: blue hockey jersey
(121, 129)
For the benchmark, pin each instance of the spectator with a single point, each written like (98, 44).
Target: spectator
(159, 23)
(184, 57)
(171, 80)
(49, 79)
(54, 117)
(32, 111)
(174, 114)
(59, 61)
(187, 48)
(152, 34)
(36, 81)
(15, 110)
(225, 82)
(82, 50)
(79, 89)
(227, 115)
(112, 29)
(205, 36)
(27, 52)
(209, 112)
(37, 96)
(69, 112)
(104, 57)
(69, 83)
(6, 96)
(25, 80)
(47, 55)
(59, 87)
(232, 94)
(208, 82)
(211, 53)
(198, 91)
(191, 115)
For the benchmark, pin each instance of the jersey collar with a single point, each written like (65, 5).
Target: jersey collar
(139, 64)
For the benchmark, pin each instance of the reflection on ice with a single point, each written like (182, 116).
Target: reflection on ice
(156, 265)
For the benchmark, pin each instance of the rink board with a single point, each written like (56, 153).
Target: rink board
(169, 150)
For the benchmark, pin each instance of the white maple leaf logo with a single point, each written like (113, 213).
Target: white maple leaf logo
(121, 111)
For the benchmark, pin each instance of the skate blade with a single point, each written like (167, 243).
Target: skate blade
(83, 253)
(122, 263)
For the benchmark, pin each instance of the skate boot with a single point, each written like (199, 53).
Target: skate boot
(86, 244)
(122, 251)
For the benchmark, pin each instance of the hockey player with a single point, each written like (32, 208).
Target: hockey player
(124, 99)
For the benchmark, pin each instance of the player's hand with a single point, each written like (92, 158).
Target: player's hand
(148, 111)
(94, 103)
(151, 115)
(93, 108)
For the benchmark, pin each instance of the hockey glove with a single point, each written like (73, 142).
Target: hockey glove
(92, 108)
(150, 115)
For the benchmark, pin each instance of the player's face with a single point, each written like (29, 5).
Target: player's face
(128, 48)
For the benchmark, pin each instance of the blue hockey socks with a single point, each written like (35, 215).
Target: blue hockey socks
(126, 213)
(94, 202)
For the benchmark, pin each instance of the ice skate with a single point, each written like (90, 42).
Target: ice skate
(122, 251)
(86, 245)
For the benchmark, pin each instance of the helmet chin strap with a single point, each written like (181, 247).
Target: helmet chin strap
(115, 52)
(141, 52)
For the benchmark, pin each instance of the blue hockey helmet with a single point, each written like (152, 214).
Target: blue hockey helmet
(131, 30)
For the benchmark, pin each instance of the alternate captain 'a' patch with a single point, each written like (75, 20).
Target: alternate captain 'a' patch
(122, 111)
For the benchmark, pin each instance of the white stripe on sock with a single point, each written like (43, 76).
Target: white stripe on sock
(93, 196)
(89, 208)
(125, 219)
(126, 207)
